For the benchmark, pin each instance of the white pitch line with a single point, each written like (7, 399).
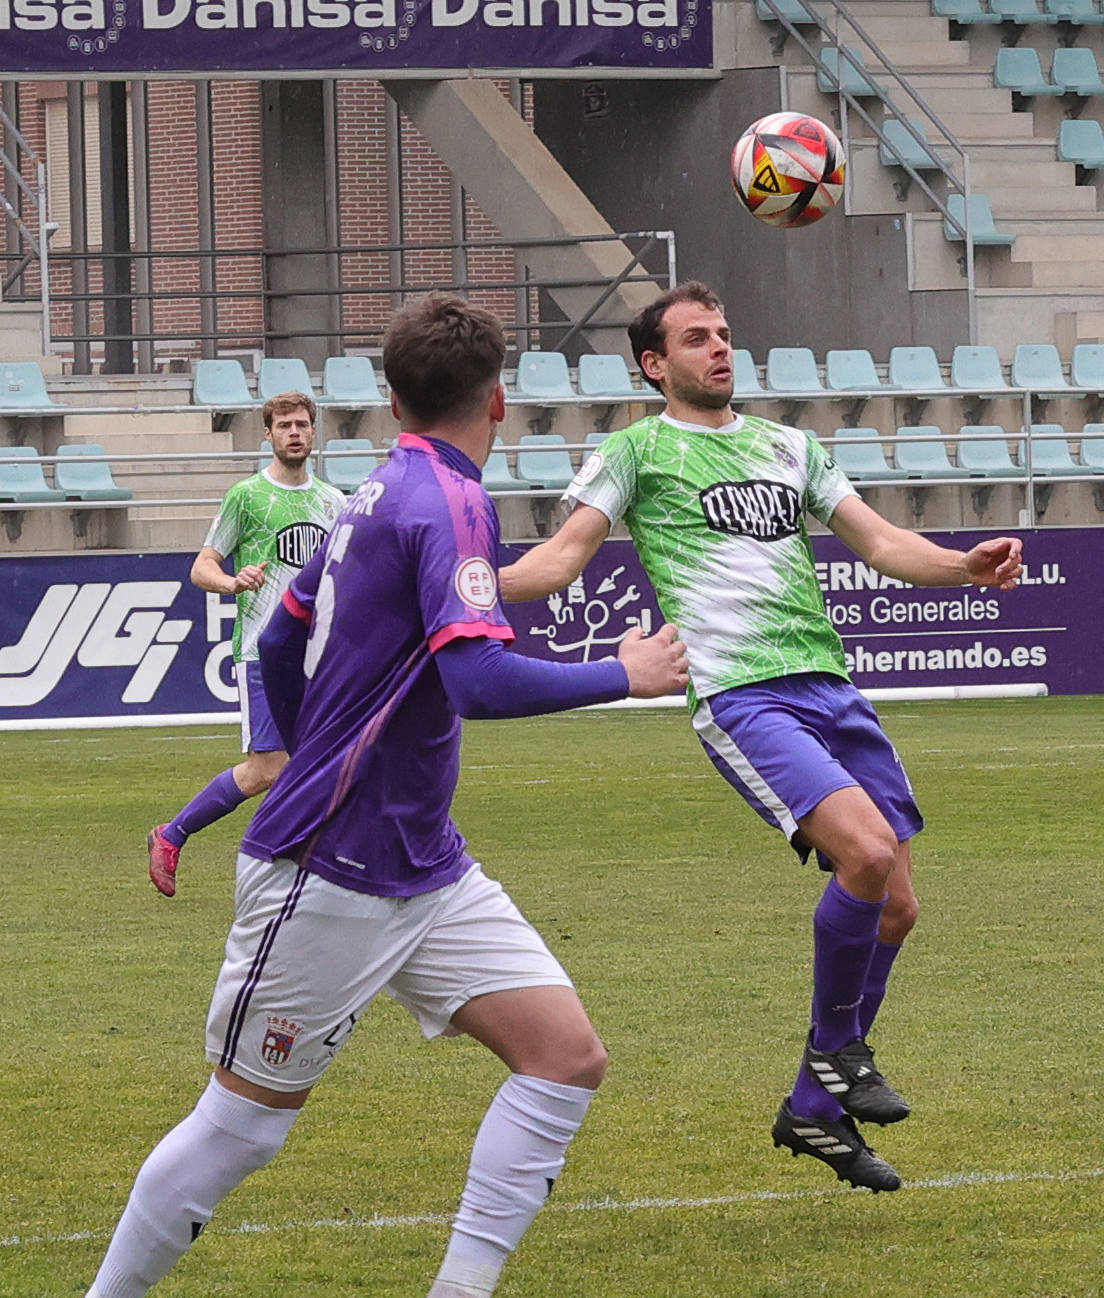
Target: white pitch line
(955, 1181)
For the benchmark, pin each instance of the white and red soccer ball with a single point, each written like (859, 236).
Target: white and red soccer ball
(788, 169)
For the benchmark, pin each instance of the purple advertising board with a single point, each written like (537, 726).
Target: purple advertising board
(116, 639)
(105, 38)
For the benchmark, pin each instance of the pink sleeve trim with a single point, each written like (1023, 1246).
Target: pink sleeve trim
(296, 609)
(470, 631)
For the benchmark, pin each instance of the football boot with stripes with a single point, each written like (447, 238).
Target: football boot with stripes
(164, 857)
(849, 1076)
(836, 1142)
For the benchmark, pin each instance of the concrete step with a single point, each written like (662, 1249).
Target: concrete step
(1067, 274)
(992, 170)
(1059, 247)
(916, 29)
(910, 57)
(1022, 201)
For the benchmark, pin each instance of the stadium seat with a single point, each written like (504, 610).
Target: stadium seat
(985, 459)
(543, 375)
(1081, 141)
(792, 369)
(1050, 456)
(794, 10)
(347, 472)
(544, 461)
(1038, 366)
(977, 369)
(80, 480)
(222, 386)
(1022, 12)
(1078, 13)
(283, 374)
(1087, 367)
(964, 11)
(835, 73)
(915, 367)
(1018, 69)
(851, 370)
(864, 461)
(898, 146)
(23, 389)
(497, 474)
(595, 439)
(25, 483)
(745, 373)
(1092, 447)
(923, 459)
(983, 229)
(1075, 72)
(350, 381)
(602, 375)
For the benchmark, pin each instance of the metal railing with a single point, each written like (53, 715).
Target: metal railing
(34, 236)
(849, 103)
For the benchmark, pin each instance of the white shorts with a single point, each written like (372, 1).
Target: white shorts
(305, 958)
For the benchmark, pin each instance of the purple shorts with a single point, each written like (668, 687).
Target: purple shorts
(786, 744)
(258, 730)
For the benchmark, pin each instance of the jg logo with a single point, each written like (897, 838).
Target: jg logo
(97, 624)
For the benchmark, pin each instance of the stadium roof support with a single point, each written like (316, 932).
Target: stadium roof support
(514, 178)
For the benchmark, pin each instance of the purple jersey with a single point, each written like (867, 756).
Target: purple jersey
(409, 566)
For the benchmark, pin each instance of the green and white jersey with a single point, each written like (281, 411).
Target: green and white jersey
(260, 521)
(717, 517)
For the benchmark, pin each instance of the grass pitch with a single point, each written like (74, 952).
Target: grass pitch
(686, 924)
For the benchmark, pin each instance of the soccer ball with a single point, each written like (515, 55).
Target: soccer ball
(787, 169)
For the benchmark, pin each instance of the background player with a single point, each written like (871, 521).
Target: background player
(353, 879)
(272, 523)
(715, 504)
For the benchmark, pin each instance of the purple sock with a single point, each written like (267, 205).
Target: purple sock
(875, 988)
(218, 799)
(845, 932)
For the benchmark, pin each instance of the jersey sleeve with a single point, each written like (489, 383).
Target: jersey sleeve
(827, 482)
(457, 576)
(607, 479)
(225, 532)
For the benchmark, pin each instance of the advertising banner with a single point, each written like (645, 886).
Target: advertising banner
(105, 38)
(127, 639)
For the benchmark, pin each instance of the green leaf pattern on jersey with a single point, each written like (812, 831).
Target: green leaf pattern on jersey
(717, 517)
(264, 521)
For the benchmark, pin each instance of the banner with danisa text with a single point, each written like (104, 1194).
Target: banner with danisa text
(105, 38)
(126, 639)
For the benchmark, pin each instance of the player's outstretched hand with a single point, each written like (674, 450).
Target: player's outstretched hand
(655, 664)
(251, 577)
(996, 562)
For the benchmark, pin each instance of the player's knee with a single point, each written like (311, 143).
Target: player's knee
(898, 919)
(583, 1064)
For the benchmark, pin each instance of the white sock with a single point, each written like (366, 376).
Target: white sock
(197, 1164)
(518, 1153)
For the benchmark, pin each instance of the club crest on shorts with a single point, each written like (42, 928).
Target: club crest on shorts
(279, 1040)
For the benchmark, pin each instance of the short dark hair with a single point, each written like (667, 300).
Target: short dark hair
(440, 356)
(283, 403)
(647, 332)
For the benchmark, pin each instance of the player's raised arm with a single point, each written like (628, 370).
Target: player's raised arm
(908, 556)
(555, 563)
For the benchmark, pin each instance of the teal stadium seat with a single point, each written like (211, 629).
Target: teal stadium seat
(1087, 367)
(916, 368)
(497, 474)
(1018, 69)
(283, 374)
(23, 389)
(222, 386)
(864, 461)
(80, 479)
(347, 471)
(977, 369)
(350, 381)
(1038, 367)
(1074, 71)
(1025, 13)
(1050, 456)
(1081, 141)
(792, 369)
(1078, 13)
(595, 439)
(24, 483)
(851, 370)
(965, 12)
(745, 373)
(544, 461)
(988, 459)
(602, 375)
(899, 146)
(1092, 447)
(544, 376)
(983, 229)
(835, 73)
(924, 459)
